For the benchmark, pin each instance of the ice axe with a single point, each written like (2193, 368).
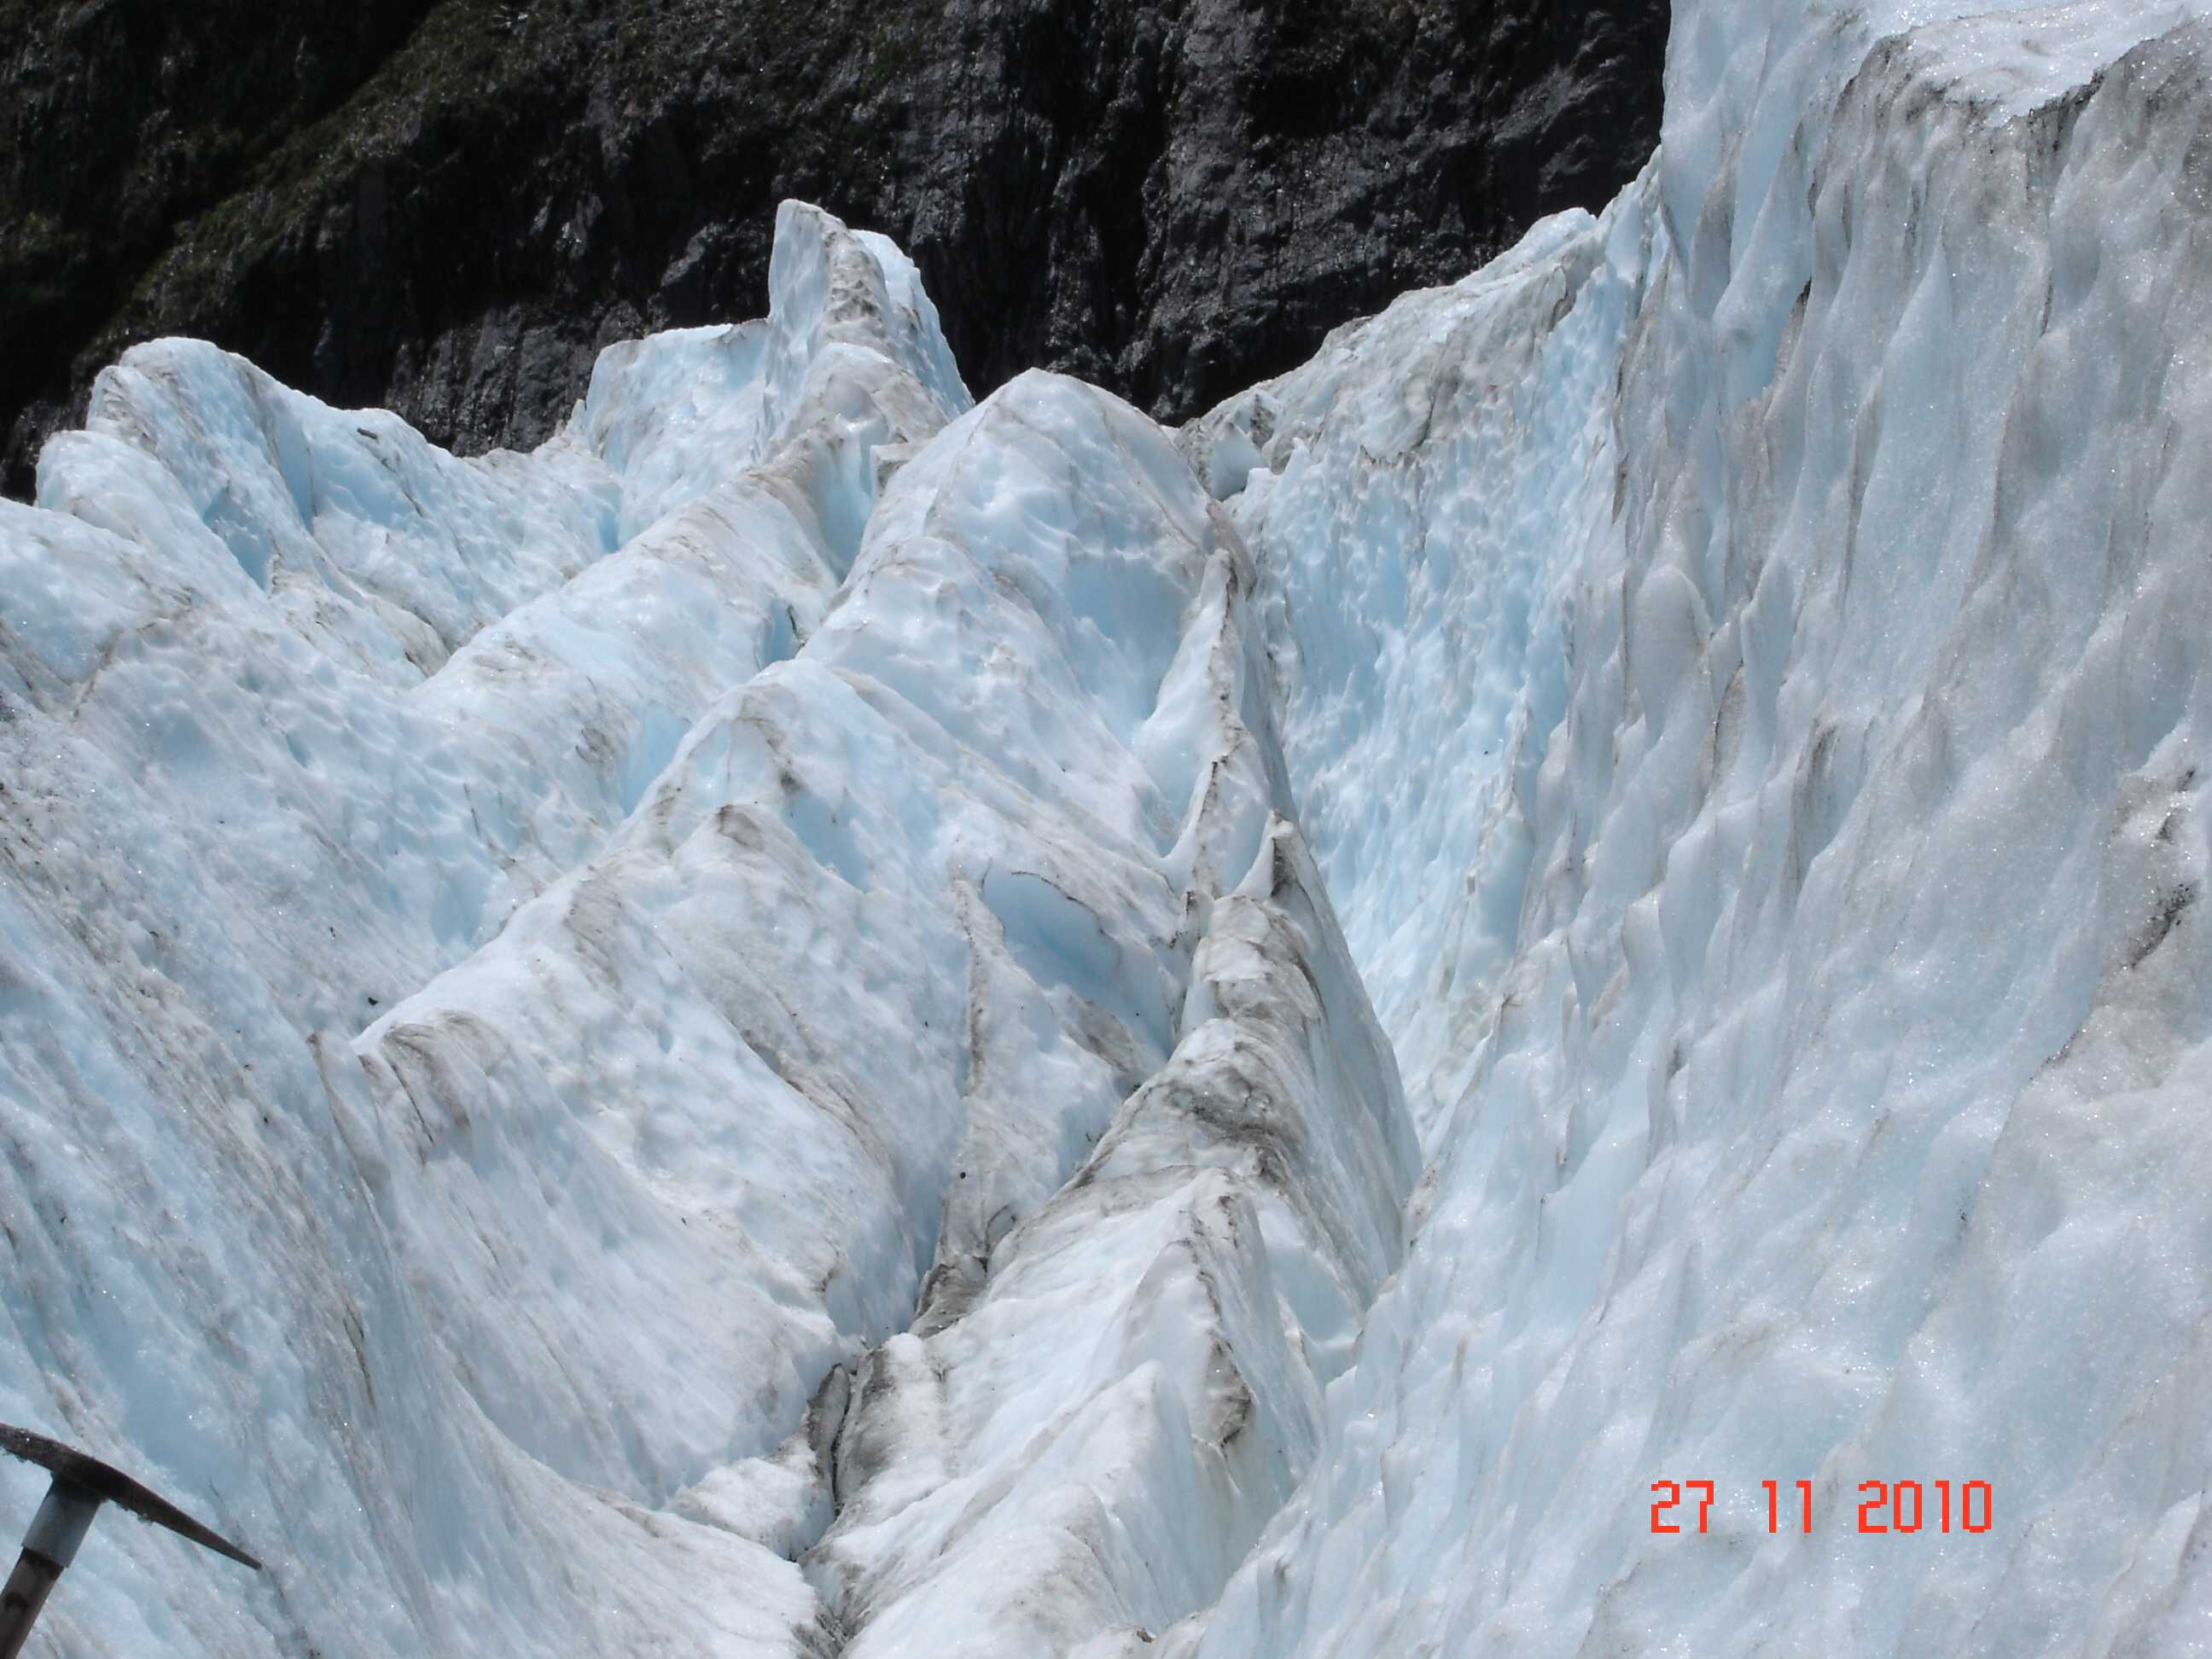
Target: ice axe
(81, 1484)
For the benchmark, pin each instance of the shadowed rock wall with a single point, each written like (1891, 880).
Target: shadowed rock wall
(448, 208)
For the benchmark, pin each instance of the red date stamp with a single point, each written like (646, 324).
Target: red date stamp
(1885, 1506)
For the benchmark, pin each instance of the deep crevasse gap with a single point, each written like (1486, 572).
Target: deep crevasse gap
(1814, 1040)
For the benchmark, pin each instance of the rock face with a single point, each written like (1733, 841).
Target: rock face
(448, 208)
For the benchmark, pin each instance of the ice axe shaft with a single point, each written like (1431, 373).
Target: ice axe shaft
(81, 1484)
(48, 1548)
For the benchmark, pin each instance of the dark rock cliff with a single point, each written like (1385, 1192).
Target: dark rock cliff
(447, 206)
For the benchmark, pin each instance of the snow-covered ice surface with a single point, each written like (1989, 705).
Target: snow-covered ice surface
(751, 1034)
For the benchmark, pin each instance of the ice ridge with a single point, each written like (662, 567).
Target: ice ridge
(579, 1016)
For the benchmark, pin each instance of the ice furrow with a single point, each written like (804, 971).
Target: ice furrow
(1117, 1361)
(1148, 1349)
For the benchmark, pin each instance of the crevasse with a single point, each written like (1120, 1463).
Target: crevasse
(752, 1033)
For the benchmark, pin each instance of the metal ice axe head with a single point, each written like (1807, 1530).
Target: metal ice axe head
(81, 1484)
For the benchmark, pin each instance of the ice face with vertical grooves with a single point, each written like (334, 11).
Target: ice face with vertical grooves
(1827, 1109)
(1417, 477)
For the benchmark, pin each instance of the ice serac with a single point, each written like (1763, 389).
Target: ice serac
(575, 1016)
(852, 993)
(1804, 987)
(301, 713)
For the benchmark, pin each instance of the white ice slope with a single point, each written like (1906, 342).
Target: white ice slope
(723, 1038)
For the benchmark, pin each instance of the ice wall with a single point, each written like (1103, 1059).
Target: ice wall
(1807, 973)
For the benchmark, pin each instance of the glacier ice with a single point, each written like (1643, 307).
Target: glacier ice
(626, 981)
(334, 714)
(1809, 1043)
(777, 1028)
